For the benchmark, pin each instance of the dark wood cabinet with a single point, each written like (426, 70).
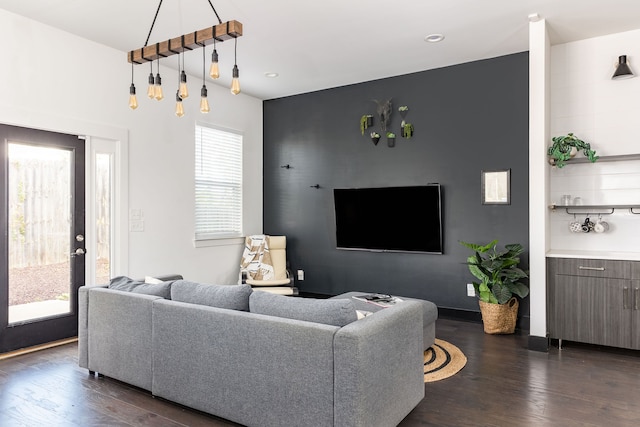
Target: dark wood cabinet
(594, 301)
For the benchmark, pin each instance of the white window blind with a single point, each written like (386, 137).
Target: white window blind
(218, 183)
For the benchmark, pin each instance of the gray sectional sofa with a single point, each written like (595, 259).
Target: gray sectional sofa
(256, 358)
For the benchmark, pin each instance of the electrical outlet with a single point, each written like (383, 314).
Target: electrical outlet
(471, 291)
(300, 274)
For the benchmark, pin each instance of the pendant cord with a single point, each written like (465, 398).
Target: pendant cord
(156, 17)
(203, 67)
(152, 24)
(214, 11)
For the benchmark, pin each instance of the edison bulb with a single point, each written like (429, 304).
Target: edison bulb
(204, 102)
(184, 90)
(214, 70)
(235, 83)
(179, 109)
(133, 101)
(151, 91)
(179, 106)
(158, 88)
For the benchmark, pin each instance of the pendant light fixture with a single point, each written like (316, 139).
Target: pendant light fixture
(235, 82)
(179, 107)
(204, 102)
(214, 70)
(177, 46)
(184, 89)
(622, 69)
(133, 101)
(158, 84)
(151, 89)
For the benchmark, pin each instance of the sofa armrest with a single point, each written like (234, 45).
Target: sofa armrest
(119, 335)
(379, 367)
(83, 319)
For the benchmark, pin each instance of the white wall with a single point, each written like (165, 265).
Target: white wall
(56, 81)
(604, 113)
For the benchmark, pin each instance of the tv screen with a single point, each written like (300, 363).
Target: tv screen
(389, 219)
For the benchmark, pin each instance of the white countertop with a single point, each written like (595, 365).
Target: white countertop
(626, 256)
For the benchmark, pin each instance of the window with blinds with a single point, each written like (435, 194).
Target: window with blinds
(218, 183)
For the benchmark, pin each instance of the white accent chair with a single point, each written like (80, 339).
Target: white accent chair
(283, 282)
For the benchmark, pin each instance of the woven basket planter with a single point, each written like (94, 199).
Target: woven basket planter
(499, 318)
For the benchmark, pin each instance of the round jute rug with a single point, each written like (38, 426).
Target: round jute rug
(442, 360)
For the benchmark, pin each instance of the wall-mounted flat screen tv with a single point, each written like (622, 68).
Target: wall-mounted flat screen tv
(389, 219)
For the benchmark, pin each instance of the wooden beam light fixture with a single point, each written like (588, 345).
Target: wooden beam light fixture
(186, 42)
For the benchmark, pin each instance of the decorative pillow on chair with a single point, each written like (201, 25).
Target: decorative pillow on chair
(337, 312)
(233, 297)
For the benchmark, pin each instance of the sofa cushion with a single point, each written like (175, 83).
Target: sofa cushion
(124, 283)
(233, 297)
(336, 312)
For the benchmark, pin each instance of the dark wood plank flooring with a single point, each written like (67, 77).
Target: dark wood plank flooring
(503, 384)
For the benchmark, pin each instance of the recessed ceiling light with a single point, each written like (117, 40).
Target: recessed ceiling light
(434, 38)
(271, 75)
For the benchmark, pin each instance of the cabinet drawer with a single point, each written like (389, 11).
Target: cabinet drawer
(594, 268)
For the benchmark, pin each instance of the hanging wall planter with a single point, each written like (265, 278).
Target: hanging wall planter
(366, 121)
(403, 111)
(406, 130)
(375, 137)
(391, 139)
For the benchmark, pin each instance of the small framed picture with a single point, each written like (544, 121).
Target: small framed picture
(496, 187)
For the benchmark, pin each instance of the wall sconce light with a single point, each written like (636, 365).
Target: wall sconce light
(622, 69)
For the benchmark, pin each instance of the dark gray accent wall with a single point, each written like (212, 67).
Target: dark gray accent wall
(468, 118)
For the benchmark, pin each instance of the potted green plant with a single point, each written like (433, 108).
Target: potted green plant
(407, 129)
(391, 139)
(403, 110)
(375, 137)
(365, 122)
(499, 284)
(565, 147)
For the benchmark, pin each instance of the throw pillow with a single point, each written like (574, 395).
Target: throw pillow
(233, 297)
(127, 284)
(337, 312)
(152, 280)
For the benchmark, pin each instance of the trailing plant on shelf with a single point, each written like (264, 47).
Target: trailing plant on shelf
(565, 147)
(365, 121)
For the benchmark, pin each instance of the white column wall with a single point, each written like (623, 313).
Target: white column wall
(57, 81)
(539, 47)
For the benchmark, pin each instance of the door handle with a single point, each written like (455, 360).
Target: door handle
(625, 298)
(580, 267)
(78, 251)
(636, 291)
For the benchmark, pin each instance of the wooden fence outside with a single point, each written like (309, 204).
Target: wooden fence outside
(40, 212)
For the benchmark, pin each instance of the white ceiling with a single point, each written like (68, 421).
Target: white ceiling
(315, 45)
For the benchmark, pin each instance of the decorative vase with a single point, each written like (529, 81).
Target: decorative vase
(391, 142)
(375, 140)
(499, 318)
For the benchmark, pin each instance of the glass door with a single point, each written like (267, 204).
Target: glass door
(43, 249)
